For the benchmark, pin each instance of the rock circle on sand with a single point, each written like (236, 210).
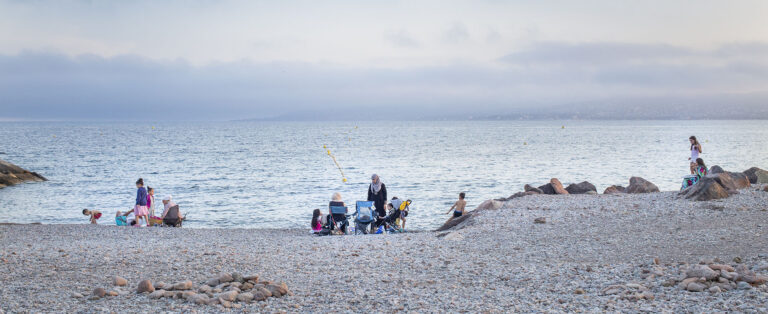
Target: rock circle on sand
(640, 185)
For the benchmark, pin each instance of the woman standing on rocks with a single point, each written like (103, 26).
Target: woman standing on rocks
(695, 151)
(377, 193)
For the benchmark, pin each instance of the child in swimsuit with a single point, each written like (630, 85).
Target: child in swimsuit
(94, 215)
(458, 207)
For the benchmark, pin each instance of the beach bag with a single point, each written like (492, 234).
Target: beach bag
(121, 221)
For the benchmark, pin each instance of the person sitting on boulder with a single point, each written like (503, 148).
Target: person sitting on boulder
(701, 168)
(171, 215)
(458, 207)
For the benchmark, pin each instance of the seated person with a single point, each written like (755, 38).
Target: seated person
(318, 220)
(700, 169)
(171, 215)
(120, 219)
(340, 219)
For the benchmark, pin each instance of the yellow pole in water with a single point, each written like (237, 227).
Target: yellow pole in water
(328, 151)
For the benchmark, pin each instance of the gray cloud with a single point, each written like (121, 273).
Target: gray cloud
(456, 33)
(402, 38)
(535, 81)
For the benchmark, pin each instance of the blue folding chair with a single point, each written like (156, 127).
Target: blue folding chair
(337, 212)
(364, 216)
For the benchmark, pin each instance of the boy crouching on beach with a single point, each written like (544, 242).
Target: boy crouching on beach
(95, 215)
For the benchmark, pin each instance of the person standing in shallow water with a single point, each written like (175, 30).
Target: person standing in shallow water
(695, 151)
(377, 192)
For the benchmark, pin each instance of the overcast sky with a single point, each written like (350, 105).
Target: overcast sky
(129, 60)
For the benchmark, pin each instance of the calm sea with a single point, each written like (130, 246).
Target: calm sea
(271, 175)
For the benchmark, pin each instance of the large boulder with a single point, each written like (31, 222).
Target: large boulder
(581, 188)
(716, 169)
(615, 189)
(11, 174)
(640, 185)
(529, 188)
(547, 189)
(557, 186)
(740, 180)
(757, 175)
(708, 188)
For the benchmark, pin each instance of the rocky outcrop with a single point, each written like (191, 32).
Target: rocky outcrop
(11, 174)
(640, 185)
(716, 186)
(581, 188)
(756, 175)
(615, 189)
(466, 218)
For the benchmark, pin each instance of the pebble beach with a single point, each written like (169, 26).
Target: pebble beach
(537, 253)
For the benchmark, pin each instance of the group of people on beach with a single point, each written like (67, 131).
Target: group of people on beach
(144, 210)
(377, 193)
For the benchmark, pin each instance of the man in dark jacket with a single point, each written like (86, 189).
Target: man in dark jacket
(377, 193)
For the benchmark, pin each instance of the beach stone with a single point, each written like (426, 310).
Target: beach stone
(581, 188)
(264, 291)
(259, 295)
(238, 278)
(213, 282)
(225, 303)
(695, 287)
(579, 291)
(168, 294)
(157, 294)
(540, 220)
(204, 288)
(708, 188)
(742, 285)
(93, 298)
(228, 296)
(162, 285)
(145, 286)
(739, 179)
(714, 289)
(701, 271)
(77, 295)
(119, 281)
(99, 292)
(200, 299)
(254, 278)
(113, 293)
(247, 286)
(765, 189)
(716, 169)
(756, 175)
(722, 267)
(187, 294)
(225, 278)
(184, 285)
(557, 186)
(614, 189)
(245, 297)
(489, 205)
(529, 188)
(640, 185)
